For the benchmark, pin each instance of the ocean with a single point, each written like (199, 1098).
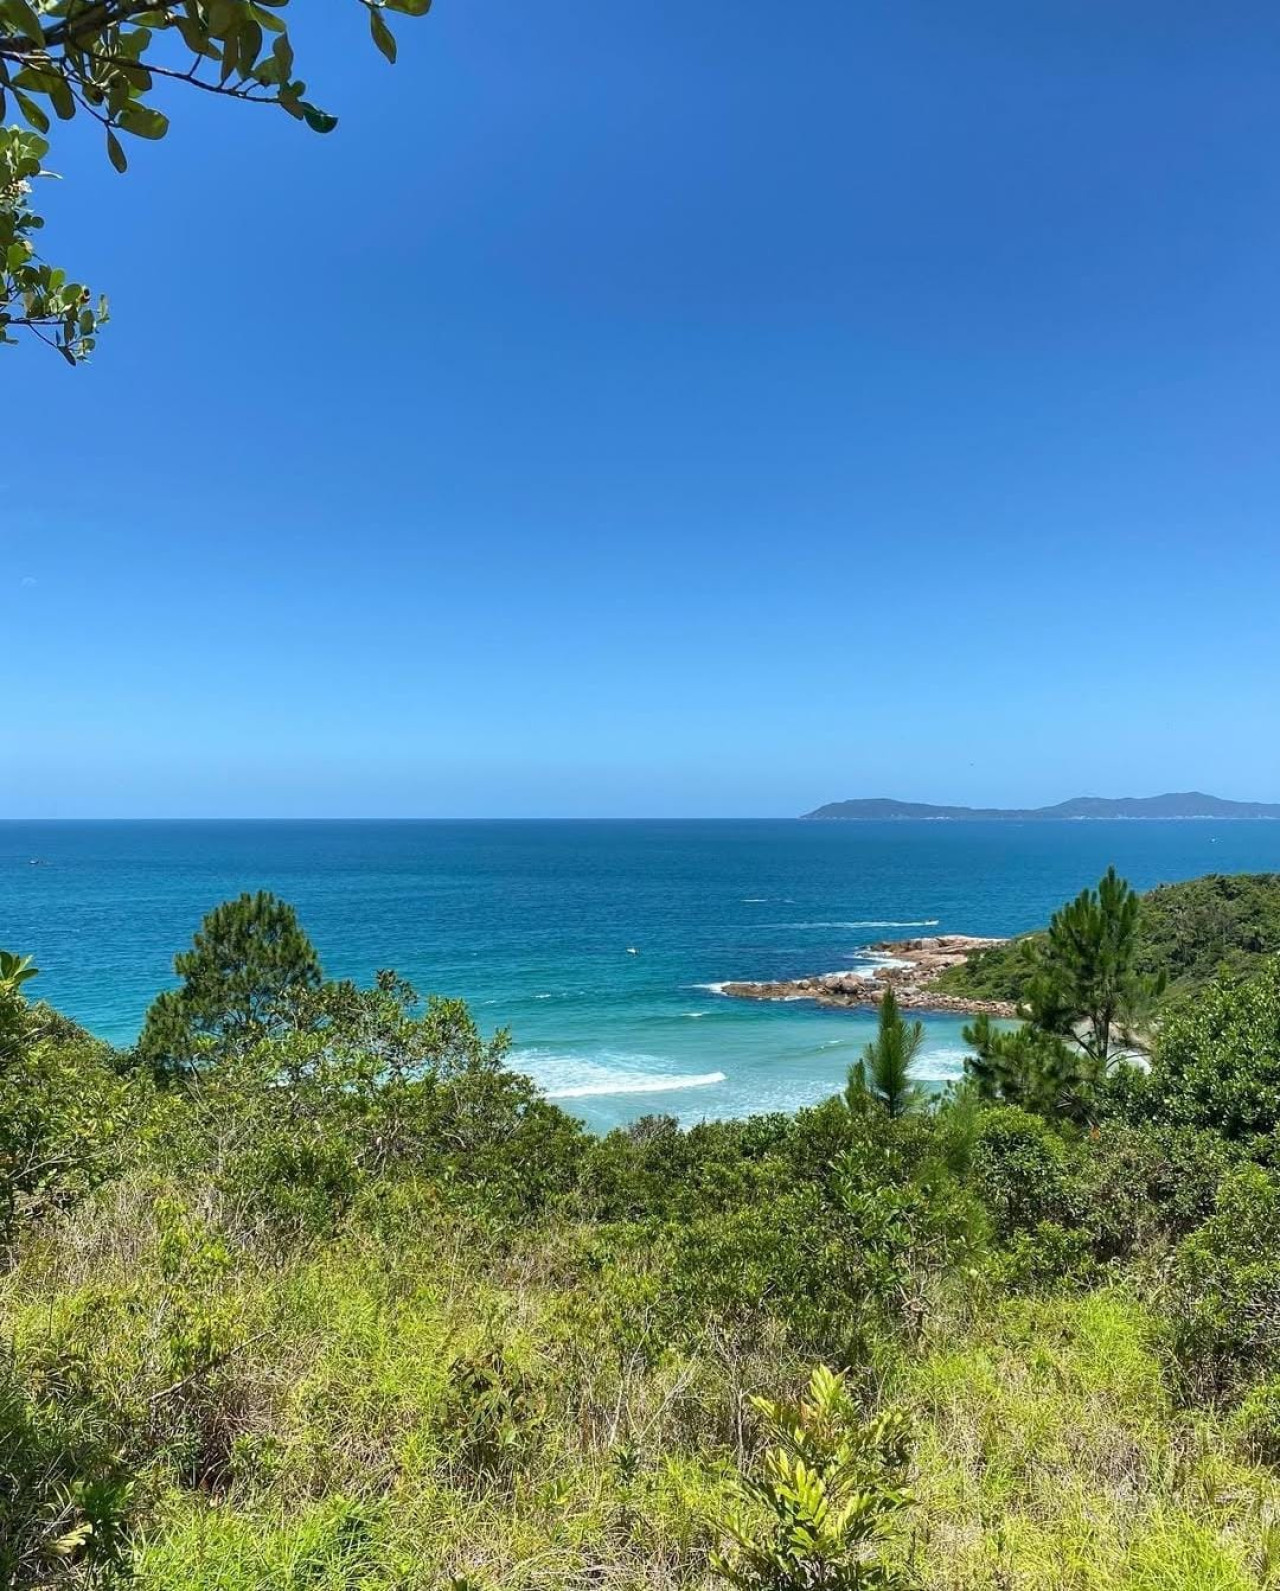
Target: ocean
(598, 944)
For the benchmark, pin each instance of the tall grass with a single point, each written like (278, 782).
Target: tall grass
(417, 1401)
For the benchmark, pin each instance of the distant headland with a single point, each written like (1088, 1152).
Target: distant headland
(1187, 804)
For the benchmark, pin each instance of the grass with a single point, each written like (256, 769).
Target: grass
(1051, 1458)
(412, 1403)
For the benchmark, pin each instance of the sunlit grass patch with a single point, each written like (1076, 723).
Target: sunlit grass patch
(1050, 1458)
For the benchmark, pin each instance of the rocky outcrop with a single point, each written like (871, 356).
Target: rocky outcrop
(910, 967)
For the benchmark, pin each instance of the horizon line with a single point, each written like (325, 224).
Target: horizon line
(779, 817)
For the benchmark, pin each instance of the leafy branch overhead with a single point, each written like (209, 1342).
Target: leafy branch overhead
(106, 59)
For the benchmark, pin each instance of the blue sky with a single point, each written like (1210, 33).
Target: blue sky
(678, 409)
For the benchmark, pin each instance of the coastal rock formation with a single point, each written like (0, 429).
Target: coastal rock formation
(910, 967)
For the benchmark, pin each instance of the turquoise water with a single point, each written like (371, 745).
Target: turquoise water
(533, 923)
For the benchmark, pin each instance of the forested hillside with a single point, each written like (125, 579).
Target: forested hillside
(1187, 933)
(309, 1290)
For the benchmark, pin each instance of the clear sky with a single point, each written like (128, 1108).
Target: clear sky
(710, 408)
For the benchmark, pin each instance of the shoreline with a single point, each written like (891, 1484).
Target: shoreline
(911, 969)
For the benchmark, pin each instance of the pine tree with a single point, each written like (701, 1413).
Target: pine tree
(1086, 984)
(1030, 1067)
(249, 964)
(885, 1068)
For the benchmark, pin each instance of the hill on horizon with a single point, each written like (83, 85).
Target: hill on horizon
(1185, 804)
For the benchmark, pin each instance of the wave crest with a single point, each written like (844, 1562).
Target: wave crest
(561, 1076)
(636, 1085)
(869, 922)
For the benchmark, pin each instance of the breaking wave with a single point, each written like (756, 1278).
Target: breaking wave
(942, 1065)
(868, 922)
(574, 1077)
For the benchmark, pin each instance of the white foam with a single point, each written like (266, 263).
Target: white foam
(942, 1065)
(870, 962)
(869, 922)
(636, 1085)
(562, 1076)
(712, 988)
(694, 1015)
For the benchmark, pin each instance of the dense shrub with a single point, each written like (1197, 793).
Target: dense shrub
(66, 1113)
(1226, 1287)
(1136, 1187)
(1022, 1170)
(64, 1495)
(1217, 1062)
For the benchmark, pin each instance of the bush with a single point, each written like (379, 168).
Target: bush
(1139, 1186)
(66, 1115)
(1217, 1062)
(828, 1488)
(1022, 1169)
(1226, 1287)
(64, 1497)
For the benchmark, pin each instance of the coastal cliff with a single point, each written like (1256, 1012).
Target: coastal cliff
(911, 968)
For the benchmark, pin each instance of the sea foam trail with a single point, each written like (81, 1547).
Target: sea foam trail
(562, 1076)
(945, 1064)
(868, 922)
(636, 1085)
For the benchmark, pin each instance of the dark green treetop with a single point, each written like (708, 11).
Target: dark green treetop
(1086, 983)
(1031, 1067)
(249, 967)
(106, 59)
(885, 1068)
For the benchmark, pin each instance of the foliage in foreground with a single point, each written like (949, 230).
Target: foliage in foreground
(110, 61)
(827, 1490)
(340, 1301)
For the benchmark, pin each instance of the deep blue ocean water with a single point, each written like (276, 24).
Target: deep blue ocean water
(533, 922)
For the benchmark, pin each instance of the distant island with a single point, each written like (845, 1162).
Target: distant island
(1188, 804)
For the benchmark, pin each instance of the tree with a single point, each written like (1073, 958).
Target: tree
(885, 1068)
(106, 59)
(1031, 1067)
(248, 972)
(1086, 985)
(1217, 1060)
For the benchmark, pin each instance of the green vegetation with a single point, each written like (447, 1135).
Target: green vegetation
(885, 1068)
(108, 60)
(243, 980)
(311, 1291)
(1185, 933)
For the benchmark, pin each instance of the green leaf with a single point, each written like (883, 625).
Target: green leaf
(27, 21)
(33, 113)
(115, 152)
(282, 52)
(319, 121)
(382, 36)
(143, 122)
(63, 102)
